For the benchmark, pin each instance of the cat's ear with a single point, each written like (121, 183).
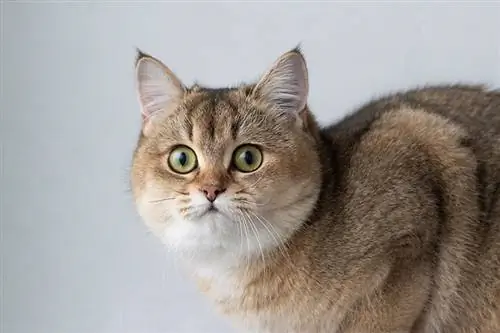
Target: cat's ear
(157, 86)
(285, 85)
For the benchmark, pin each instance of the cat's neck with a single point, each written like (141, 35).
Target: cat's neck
(221, 261)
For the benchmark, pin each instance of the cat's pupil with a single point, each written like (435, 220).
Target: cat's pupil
(182, 158)
(248, 157)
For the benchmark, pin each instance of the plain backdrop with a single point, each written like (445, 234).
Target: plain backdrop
(75, 256)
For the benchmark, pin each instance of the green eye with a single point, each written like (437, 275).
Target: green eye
(182, 160)
(247, 158)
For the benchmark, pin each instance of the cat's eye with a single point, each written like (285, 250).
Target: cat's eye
(182, 159)
(247, 158)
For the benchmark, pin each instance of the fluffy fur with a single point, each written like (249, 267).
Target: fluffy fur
(388, 221)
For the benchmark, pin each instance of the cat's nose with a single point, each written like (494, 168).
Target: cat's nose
(212, 192)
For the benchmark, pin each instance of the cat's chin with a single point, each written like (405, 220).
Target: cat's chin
(214, 234)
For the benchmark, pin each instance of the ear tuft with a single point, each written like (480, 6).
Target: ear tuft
(285, 86)
(157, 86)
(140, 54)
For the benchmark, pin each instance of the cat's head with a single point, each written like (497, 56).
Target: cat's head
(225, 171)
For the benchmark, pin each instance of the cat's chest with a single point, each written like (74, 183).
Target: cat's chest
(256, 308)
(220, 285)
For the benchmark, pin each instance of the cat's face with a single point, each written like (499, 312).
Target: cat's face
(231, 171)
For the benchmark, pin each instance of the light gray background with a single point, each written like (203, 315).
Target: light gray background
(75, 256)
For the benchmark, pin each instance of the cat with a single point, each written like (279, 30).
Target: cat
(387, 221)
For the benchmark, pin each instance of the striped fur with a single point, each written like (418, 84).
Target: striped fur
(387, 221)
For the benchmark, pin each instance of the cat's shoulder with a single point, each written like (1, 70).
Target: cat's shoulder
(406, 131)
(399, 131)
(403, 121)
(431, 99)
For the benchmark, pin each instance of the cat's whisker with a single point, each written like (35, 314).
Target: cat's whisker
(267, 225)
(283, 248)
(244, 224)
(275, 235)
(257, 238)
(251, 202)
(240, 229)
(236, 214)
(161, 200)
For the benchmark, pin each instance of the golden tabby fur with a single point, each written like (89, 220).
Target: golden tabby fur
(388, 221)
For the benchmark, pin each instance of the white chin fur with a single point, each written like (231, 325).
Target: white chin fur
(216, 235)
(227, 235)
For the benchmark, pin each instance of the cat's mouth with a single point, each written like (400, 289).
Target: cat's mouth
(210, 210)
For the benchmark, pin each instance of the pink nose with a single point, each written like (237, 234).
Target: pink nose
(211, 192)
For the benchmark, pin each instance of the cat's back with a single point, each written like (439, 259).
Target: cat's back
(476, 108)
(473, 109)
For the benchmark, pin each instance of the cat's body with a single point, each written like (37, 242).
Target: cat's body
(388, 221)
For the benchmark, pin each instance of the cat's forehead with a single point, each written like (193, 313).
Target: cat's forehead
(215, 119)
(215, 115)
